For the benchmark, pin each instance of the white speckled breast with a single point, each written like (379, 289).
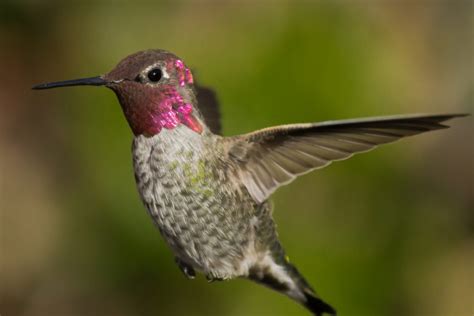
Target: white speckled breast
(185, 185)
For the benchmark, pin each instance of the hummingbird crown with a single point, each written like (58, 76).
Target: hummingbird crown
(155, 90)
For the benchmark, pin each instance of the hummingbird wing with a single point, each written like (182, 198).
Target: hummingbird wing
(272, 157)
(208, 105)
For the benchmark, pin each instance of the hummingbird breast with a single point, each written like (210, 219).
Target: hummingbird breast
(208, 219)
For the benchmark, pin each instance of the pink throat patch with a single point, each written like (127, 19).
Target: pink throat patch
(171, 110)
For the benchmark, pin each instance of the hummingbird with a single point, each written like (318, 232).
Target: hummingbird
(209, 194)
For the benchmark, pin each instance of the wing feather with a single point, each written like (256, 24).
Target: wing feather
(272, 157)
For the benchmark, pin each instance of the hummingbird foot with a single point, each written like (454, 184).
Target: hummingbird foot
(216, 275)
(187, 270)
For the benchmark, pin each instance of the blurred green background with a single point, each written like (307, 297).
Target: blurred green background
(390, 232)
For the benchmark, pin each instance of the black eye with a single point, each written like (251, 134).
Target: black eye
(154, 75)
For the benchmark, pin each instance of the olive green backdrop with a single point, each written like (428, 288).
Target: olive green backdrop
(388, 232)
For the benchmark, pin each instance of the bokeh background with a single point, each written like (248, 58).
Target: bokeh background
(390, 232)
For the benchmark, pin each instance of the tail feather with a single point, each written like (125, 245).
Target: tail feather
(317, 306)
(283, 277)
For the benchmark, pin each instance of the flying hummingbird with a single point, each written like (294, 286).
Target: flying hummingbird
(208, 194)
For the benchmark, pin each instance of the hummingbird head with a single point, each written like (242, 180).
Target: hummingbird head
(154, 88)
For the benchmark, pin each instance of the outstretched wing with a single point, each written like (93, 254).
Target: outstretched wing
(272, 157)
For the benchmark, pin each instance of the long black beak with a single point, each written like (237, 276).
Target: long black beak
(92, 81)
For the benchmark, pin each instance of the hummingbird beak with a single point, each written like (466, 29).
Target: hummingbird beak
(92, 81)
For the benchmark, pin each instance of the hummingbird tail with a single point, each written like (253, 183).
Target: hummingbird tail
(283, 277)
(317, 306)
(313, 303)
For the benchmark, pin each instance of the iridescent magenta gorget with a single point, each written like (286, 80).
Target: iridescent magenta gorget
(149, 107)
(172, 110)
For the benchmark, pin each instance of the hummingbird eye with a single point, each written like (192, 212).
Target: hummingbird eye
(155, 75)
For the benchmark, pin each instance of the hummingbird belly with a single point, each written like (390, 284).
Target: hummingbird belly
(206, 219)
